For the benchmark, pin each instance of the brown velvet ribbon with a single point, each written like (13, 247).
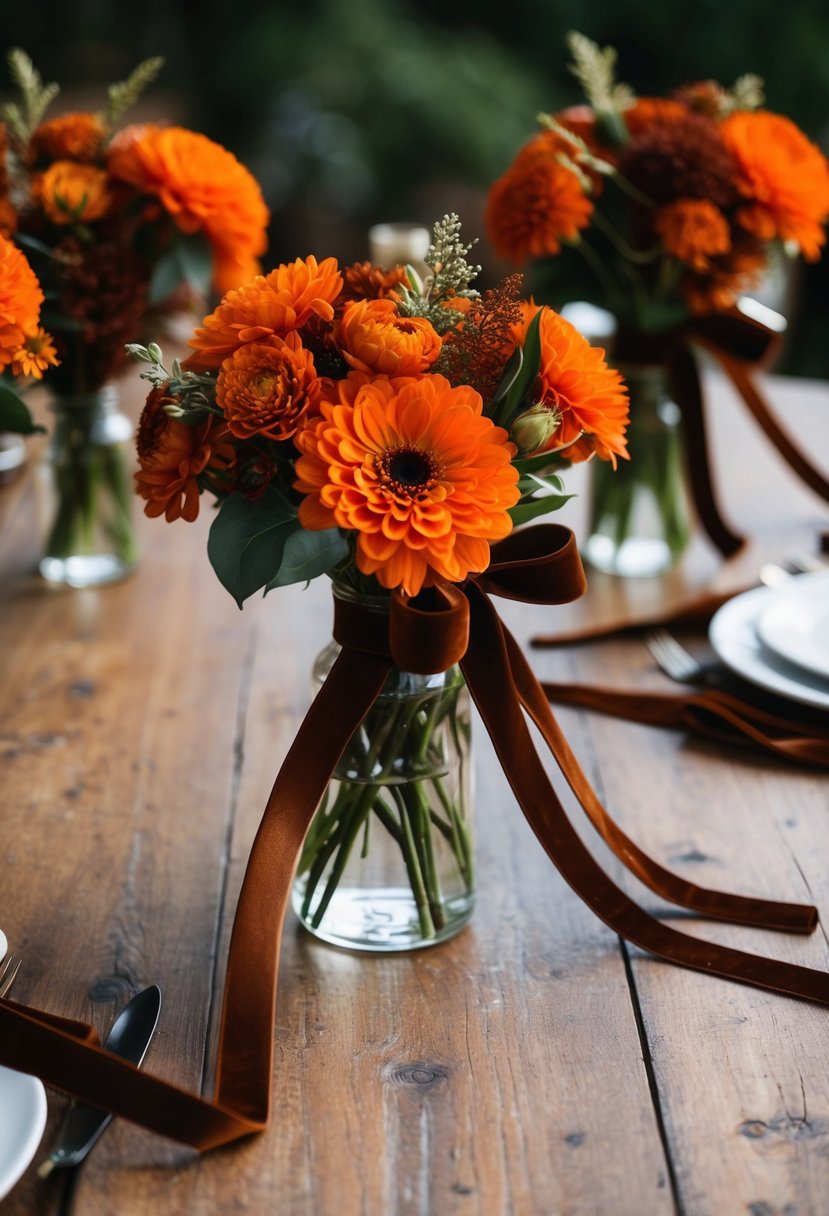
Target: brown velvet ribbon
(739, 344)
(446, 625)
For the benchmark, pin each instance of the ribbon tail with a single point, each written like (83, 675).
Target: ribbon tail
(49, 1047)
(796, 460)
(687, 392)
(488, 671)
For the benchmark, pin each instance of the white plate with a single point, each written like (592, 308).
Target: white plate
(733, 635)
(22, 1120)
(795, 624)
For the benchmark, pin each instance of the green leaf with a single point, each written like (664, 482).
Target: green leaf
(247, 539)
(14, 414)
(511, 370)
(32, 242)
(527, 372)
(307, 555)
(534, 507)
(531, 483)
(188, 260)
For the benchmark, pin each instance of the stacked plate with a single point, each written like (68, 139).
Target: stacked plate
(778, 638)
(22, 1117)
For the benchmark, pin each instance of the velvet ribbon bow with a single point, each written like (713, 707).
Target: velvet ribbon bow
(740, 343)
(445, 625)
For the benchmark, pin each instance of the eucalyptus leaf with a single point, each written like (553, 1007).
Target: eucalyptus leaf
(534, 507)
(307, 555)
(531, 483)
(187, 260)
(247, 539)
(14, 414)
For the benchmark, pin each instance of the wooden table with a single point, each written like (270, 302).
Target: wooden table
(535, 1064)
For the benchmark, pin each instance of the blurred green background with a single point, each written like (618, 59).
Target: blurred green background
(352, 112)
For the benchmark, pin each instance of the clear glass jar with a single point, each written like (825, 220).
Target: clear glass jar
(388, 861)
(639, 513)
(85, 492)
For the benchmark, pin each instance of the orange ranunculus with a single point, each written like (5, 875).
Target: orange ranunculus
(265, 309)
(537, 203)
(374, 337)
(267, 390)
(587, 398)
(783, 176)
(204, 188)
(23, 345)
(77, 136)
(693, 230)
(416, 471)
(72, 193)
(172, 456)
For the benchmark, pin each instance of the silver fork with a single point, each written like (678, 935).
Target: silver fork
(677, 663)
(8, 973)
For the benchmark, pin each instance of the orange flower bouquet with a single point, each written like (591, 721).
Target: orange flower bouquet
(120, 225)
(386, 432)
(676, 204)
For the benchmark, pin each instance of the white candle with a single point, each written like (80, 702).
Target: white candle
(399, 245)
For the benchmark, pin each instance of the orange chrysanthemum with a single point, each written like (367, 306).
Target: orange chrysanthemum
(374, 337)
(23, 345)
(587, 398)
(267, 390)
(784, 177)
(726, 277)
(416, 471)
(363, 281)
(536, 204)
(265, 309)
(693, 230)
(172, 456)
(77, 136)
(72, 193)
(204, 188)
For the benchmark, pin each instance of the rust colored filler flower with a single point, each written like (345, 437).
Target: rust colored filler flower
(205, 189)
(587, 398)
(784, 175)
(269, 307)
(172, 456)
(417, 472)
(536, 204)
(267, 390)
(374, 337)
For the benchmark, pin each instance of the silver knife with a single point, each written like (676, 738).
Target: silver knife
(129, 1037)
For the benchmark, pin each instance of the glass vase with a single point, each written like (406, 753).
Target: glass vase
(388, 860)
(85, 490)
(639, 514)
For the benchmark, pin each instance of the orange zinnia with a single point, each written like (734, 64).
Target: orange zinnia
(536, 204)
(173, 456)
(588, 399)
(784, 177)
(693, 230)
(204, 188)
(72, 193)
(69, 137)
(265, 309)
(374, 337)
(267, 390)
(23, 345)
(416, 471)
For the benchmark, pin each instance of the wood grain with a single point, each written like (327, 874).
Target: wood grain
(532, 1065)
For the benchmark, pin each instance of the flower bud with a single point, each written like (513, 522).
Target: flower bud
(137, 351)
(154, 351)
(533, 429)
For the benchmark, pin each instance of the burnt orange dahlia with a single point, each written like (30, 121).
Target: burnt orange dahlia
(72, 193)
(648, 110)
(373, 337)
(8, 218)
(267, 390)
(682, 156)
(204, 188)
(78, 136)
(269, 307)
(537, 204)
(23, 344)
(693, 230)
(587, 398)
(726, 276)
(172, 457)
(783, 176)
(416, 471)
